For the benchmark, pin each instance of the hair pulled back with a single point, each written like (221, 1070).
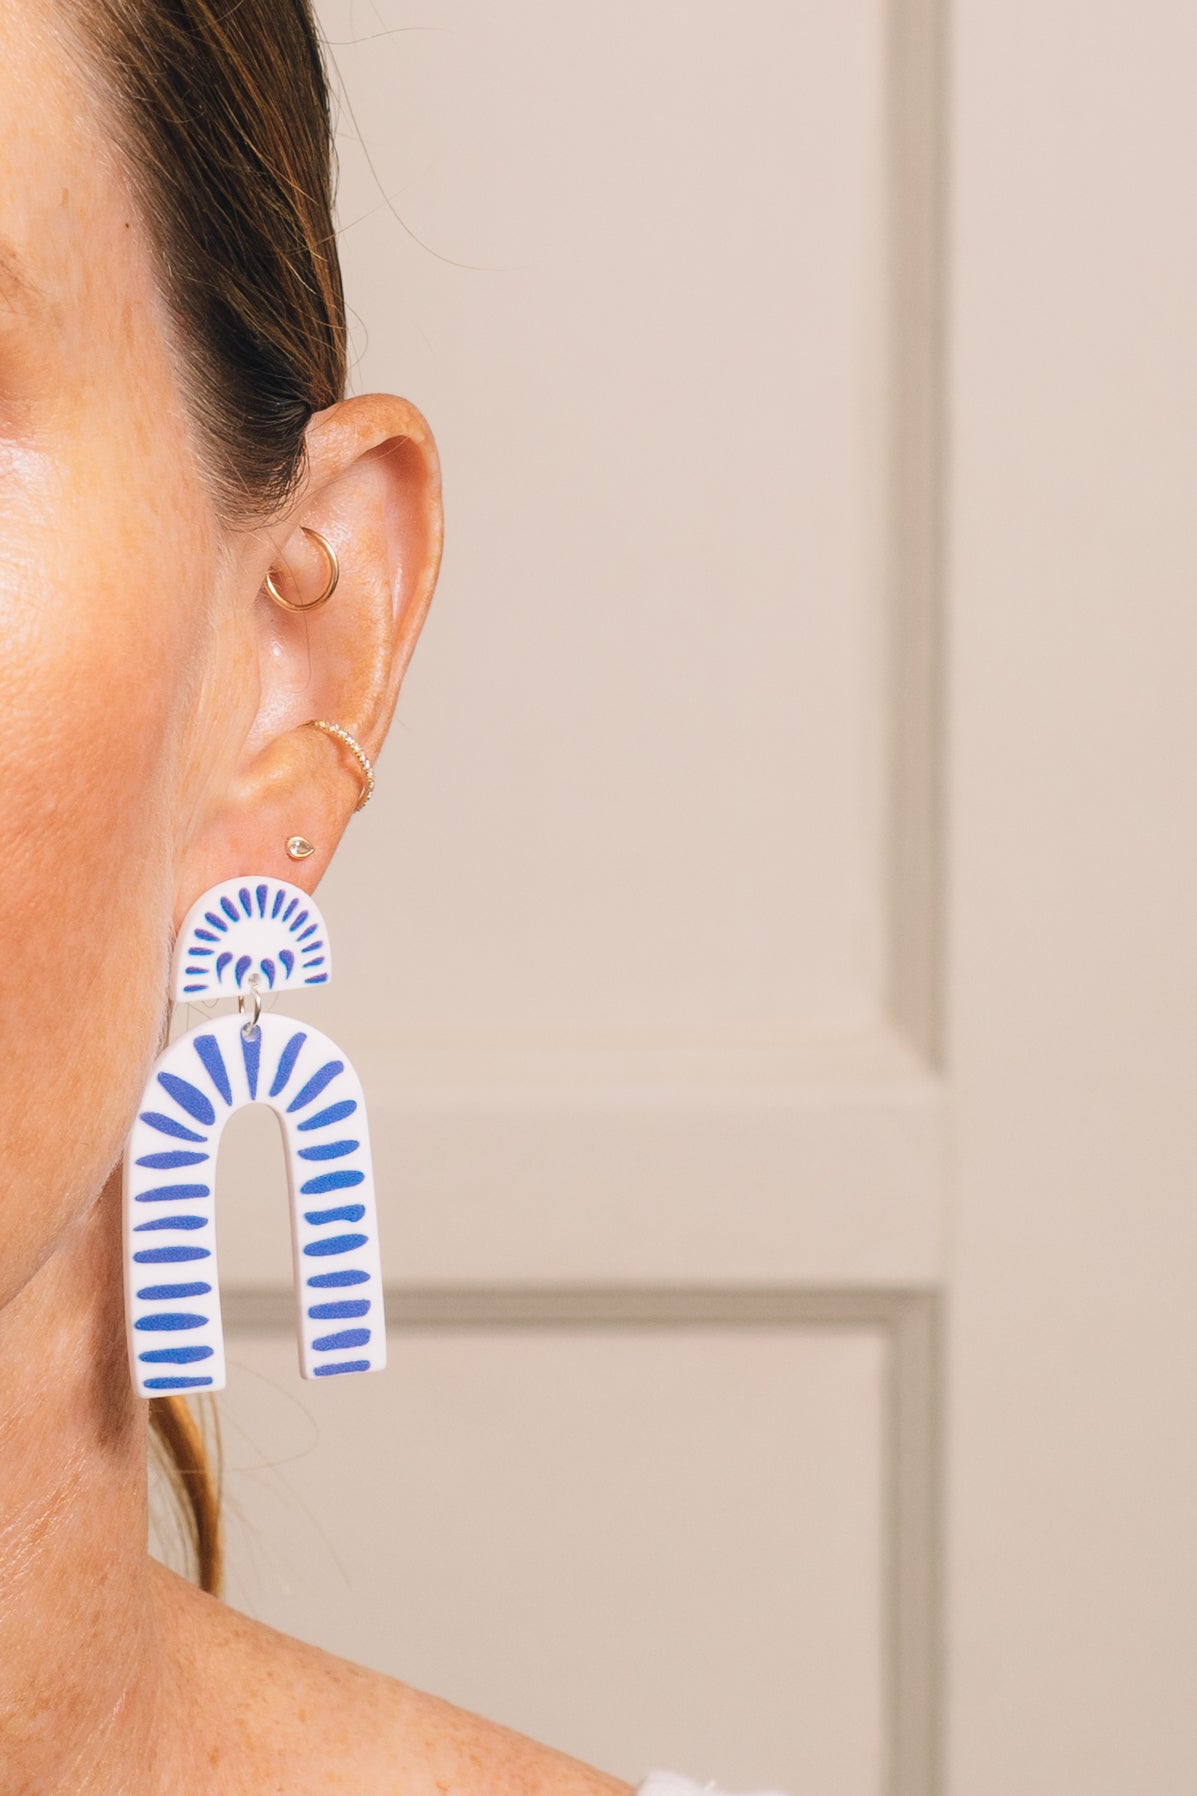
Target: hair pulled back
(221, 108)
(221, 111)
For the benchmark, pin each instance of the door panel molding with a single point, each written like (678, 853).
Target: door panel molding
(909, 1322)
(914, 611)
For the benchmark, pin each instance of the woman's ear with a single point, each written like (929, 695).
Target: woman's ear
(372, 491)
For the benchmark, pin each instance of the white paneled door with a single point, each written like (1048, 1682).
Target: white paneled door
(1073, 969)
(768, 955)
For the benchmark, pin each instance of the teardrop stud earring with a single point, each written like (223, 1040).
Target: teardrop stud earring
(243, 939)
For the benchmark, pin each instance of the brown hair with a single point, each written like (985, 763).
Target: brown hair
(179, 1439)
(221, 109)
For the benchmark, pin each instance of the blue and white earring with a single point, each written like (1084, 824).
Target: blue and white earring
(243, 939)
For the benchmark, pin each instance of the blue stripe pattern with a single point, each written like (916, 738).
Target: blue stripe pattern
(316, 1084)
(335, 1244)
(274, 924)
(345, 1337)
(292, 1068)
(251, 1053)
(166, 1125)
(342, 1213)
(286, 1063)
(328, 1150)
(170, 1194)
(331, 1181)
(208, 1049)
(334, 1113)
(189, 1096)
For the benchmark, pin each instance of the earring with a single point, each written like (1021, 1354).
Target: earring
(340, 734)
(334, 574)
(242, 938)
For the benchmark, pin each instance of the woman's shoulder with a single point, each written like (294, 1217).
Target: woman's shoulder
(274, 1713)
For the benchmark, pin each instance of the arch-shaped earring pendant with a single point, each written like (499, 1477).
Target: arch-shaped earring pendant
(245, 936)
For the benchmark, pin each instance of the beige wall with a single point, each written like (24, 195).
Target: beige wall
(1074, 771)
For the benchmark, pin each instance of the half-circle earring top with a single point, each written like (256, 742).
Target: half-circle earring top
(334, 574)
(244, 938)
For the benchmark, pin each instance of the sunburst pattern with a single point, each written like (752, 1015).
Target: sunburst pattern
(250, 930)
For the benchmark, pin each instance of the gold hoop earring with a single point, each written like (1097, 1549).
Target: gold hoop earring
(356, 750)
(334, 574)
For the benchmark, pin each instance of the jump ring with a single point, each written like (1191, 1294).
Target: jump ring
(247, 1029)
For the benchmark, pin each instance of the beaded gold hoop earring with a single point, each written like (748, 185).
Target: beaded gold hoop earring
(356, 750)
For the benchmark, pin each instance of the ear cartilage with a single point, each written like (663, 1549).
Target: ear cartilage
(247, 934)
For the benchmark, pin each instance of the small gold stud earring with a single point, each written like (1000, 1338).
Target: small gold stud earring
(299, 848)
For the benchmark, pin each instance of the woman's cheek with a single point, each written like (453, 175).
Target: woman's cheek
(87, 762)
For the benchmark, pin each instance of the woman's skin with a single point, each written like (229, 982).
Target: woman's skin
(151, 704)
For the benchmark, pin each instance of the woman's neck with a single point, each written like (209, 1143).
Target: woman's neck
(81, 1674)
